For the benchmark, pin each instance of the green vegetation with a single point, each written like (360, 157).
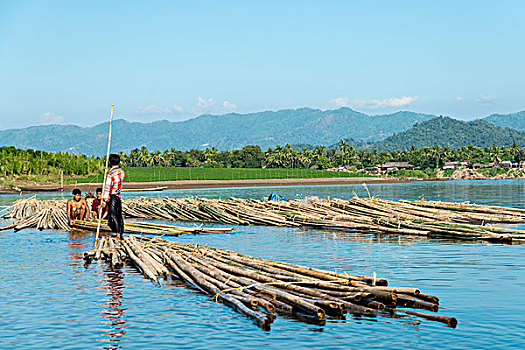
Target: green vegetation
(250, 162)
(320, 157)
(494, 171)
(448, 172)
(17, 164)
(157, 173)
(445, 131)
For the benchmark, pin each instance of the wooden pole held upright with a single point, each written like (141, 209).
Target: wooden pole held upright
(105, 173)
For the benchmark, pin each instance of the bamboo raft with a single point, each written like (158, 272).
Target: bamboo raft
(370, 215)
(263, 289)
(461, 221)
(51, 214)
(34, 213)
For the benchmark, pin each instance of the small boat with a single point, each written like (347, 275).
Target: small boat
(150, 189)
(37, 189)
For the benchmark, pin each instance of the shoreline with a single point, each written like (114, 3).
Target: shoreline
(33, 187)
(195, 184)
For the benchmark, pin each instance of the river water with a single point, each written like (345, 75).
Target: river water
(49, 299)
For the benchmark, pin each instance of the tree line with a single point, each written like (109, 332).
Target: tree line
(15, 161)
(320, 157)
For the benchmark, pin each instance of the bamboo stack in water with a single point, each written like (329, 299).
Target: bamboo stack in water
(32, 213)
(108, 249)
(263, 289)
(370, 215)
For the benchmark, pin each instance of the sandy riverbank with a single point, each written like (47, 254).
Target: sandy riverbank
(189, 184)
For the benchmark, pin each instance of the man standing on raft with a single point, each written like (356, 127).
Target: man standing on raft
(111, 195)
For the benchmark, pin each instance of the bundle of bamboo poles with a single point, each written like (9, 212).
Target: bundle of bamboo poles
(263, 289)
(244, 211)
(370, 215)
(108, 249)
(39, 214)
(51, 214)
(23, 208)
(137, 227)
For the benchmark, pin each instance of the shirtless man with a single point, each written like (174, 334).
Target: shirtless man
(77, 207)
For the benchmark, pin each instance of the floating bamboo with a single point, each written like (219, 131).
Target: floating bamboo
(459, 221)
(263, 289)
(370, 215)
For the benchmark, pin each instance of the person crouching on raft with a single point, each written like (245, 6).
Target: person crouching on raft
(111, 196)
(97, 207)
(77, 207)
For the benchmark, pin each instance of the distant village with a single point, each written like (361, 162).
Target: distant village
(456, 170)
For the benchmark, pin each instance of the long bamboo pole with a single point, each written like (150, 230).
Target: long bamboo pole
(105, 172)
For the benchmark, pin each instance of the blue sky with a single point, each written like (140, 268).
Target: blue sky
(67, 61)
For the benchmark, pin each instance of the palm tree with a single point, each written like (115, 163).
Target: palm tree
(305, 158)
(143, 156)
(342, 148)
(351, 154)
(496, 153)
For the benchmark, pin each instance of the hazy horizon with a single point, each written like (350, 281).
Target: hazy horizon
(115, 117)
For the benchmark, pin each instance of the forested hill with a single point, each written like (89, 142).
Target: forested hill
(266, 129)
(445, 131)
(513, 120)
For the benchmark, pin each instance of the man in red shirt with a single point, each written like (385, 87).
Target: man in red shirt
(112, 197)
(97, 206)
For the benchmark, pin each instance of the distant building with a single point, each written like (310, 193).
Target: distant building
(396, 165)
(341, 168)
(450, 165)
(456, 165)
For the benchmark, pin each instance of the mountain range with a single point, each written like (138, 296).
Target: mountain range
(271, 128)
(266, 129)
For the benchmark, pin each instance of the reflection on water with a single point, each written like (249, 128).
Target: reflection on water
(112, 312)
(341, 235)
(79, 242)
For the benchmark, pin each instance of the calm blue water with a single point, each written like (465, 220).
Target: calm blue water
(48, 299)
